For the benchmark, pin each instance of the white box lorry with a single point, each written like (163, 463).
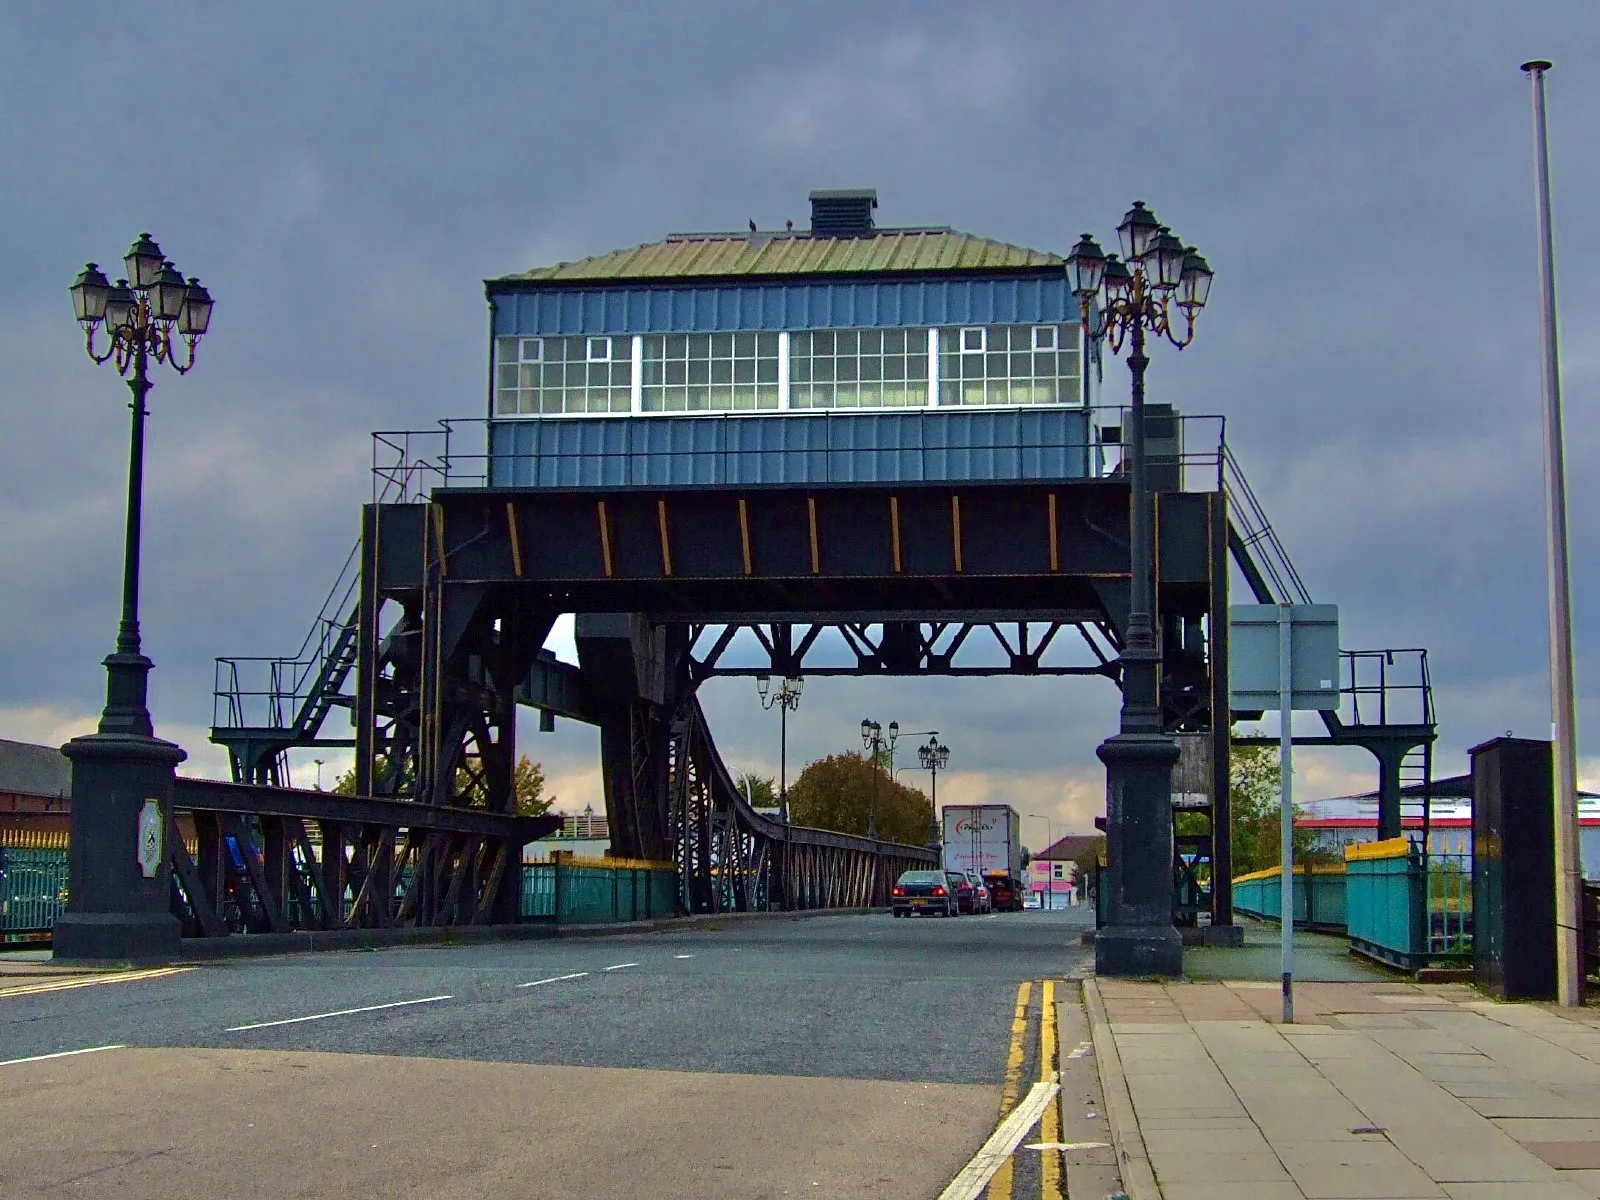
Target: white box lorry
(983, 838)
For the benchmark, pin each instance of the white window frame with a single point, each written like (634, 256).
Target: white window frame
(538, 349)
(588, 349)
(933, 367)
(783, 370)
(1054, 342)
(983, 339)
(636, 379)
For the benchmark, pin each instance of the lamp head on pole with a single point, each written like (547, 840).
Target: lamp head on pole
(1117, 280)
(167, 294)
(196, 318)
(1194, 285)
(894, 733)
(1085, 265)
(120, 306)
(794, 684)
(1138, 229)
(90, 291)
(763, 683)
(144, 261)
(1163, 261)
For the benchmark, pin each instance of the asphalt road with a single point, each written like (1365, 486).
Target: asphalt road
(857, 996)
(831, 1056)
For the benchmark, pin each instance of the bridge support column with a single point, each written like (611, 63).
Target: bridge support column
(119, 875)
(1139, 938)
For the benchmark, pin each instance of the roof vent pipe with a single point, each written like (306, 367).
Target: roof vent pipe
(844, 213)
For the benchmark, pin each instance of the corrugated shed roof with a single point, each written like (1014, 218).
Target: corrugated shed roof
(723, 255)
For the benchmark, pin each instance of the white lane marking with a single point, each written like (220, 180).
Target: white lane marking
(343, 1012)
(683, 956)
(621, 966)
(553, 979)
(11, 1062)
(975, 1176)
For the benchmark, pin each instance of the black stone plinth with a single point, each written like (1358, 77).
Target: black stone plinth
(1138, 937)
(1138, 951)
(114, 913)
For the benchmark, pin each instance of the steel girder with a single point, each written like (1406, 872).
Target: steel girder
(277, 860)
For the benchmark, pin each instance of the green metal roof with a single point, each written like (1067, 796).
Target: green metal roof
(721, 255)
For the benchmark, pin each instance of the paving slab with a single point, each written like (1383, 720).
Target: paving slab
(1393, 1091)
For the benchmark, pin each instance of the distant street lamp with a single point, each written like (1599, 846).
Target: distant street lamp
(787, 698)
(1049, 877)
(875, 742)
(1132, 295)
(122, 774)
(934, 757)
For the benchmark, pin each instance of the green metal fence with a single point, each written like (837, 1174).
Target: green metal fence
(33, 890)
(598, 890)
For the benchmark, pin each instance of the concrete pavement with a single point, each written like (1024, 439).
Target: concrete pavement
(1380, 1091)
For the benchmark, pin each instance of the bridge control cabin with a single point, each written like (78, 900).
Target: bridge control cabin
(846, 353)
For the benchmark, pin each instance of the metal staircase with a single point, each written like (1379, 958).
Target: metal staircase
(1387, 695)
(262, 707)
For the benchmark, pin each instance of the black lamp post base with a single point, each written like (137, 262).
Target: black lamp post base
(1138, 951)
(116, 912)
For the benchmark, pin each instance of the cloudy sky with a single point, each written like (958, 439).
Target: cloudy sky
(344, 175)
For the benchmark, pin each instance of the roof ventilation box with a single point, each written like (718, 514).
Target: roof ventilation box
(845, 213)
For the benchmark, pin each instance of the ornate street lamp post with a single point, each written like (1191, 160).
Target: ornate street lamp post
(876, 743)
(787, 698)
(934, 757)
(118, 875)
(1134, 295)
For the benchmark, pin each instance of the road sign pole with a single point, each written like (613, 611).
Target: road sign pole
(1286, 808)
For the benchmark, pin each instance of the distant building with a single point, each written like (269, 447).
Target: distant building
(583, 835)
(1053, 872)
(35, 792)
(1340, 821)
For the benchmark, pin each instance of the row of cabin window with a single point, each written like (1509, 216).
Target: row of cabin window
(866, 368)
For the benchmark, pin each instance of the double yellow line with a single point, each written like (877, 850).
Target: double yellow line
(64, 985)
(1000, 1186)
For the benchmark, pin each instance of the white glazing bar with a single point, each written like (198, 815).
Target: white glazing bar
(783, 370)
(636, 386)
(933, 368)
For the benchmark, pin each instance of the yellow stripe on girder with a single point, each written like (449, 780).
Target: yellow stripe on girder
(1050, 1119)
(63, 985)
(1000, 1185)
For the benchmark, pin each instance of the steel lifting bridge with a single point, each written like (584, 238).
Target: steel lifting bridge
(884, 440)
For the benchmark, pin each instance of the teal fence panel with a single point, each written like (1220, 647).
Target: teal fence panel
(33, 890)
(584, 893)
(1319, 906)
(1386, 907)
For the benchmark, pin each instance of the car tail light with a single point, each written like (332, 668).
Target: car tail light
(899, 891)
(938, 891)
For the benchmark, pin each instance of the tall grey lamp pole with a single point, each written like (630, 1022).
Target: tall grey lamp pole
(787, 698)
(1563, 706)
(1137, 293)
(118, 873)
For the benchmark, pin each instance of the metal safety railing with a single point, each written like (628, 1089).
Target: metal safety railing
(407, 465)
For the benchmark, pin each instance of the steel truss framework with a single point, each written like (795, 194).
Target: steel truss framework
(279, 860)
(459, 593)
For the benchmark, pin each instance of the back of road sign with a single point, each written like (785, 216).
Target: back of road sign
(1253, 656)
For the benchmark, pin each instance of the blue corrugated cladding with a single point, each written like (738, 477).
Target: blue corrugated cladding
(878, 303)
(929, 445)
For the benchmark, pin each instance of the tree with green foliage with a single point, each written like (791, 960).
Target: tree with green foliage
(838, 792)
(761, 791)
(527, 784)
(1255, 785)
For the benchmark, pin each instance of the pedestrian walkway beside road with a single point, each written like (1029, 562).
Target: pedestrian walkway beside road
(1381, 1091)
